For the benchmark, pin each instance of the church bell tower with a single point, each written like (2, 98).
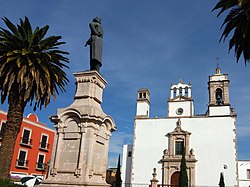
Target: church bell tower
(143, 103)
(218, 86)
(180, 102)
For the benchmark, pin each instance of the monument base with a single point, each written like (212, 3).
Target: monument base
(80, 152)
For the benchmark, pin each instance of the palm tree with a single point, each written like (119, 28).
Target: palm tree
(30, 71)
(237, 22)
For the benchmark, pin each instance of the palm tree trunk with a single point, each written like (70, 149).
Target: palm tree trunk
(10, 130)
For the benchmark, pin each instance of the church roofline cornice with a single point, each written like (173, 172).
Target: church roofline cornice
(182, 117)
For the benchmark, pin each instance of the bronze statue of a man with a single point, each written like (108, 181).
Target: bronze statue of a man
(95, 43)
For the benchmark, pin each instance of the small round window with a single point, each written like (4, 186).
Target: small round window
(179, 111)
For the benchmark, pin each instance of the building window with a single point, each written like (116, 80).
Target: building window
(180, 91)
(179, 147)
(186, 91)
(21, 161)
(174, 92)
(129, 153)
(40, 162)
(140, 95)
(25, 139)
(43, 143)
(248, 173)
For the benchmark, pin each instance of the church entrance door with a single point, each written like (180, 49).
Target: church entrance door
(175, 179)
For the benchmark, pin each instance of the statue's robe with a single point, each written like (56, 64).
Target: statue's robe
(96, 49)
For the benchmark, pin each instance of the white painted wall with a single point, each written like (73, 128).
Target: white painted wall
(142, 109)
(212, 139)
(219, 110)
(243, 166)
(187, 106)
(126, 165)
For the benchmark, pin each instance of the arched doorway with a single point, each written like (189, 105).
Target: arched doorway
(175, 179)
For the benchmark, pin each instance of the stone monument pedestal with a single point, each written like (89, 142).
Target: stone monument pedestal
(80, 150)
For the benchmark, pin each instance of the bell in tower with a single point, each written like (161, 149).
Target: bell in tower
(218, 95)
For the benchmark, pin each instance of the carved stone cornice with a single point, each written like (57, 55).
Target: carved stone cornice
(87, 76)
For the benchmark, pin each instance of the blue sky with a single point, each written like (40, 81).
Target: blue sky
(147, 44)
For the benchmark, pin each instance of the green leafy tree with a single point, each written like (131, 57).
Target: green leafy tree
(31, 70)
(183, 180)
(221, 183)
(237, 26)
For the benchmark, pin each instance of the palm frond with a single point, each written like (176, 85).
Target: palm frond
(237, 25)
(230, 23)
(11, 26)
(28, 28)
(224, 5)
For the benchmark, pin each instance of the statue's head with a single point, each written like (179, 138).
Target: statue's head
(97, 19)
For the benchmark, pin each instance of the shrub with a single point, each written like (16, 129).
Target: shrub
(8, 183)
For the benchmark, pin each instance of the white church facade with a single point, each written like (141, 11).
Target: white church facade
(209, 140)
